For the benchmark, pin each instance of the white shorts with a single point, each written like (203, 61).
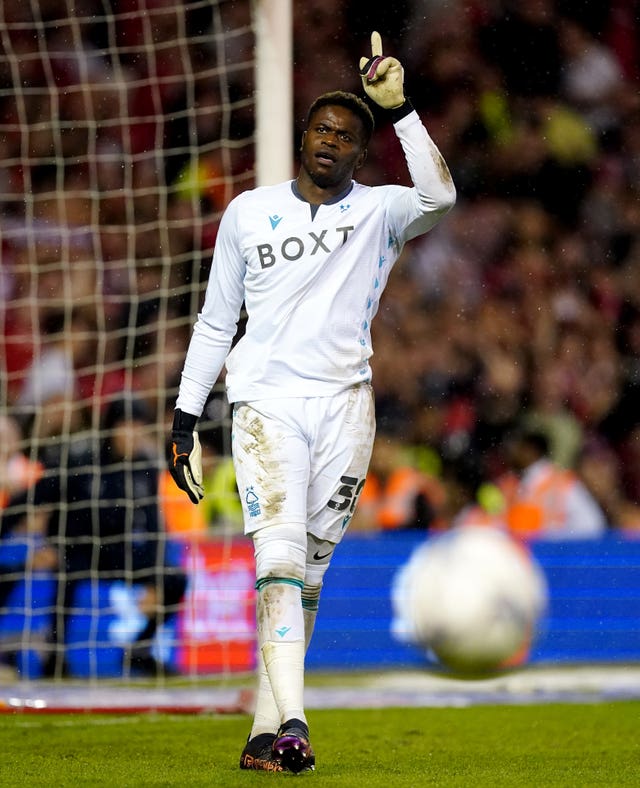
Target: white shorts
(302, 460)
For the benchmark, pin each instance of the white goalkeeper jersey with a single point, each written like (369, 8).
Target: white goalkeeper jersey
(310, 278)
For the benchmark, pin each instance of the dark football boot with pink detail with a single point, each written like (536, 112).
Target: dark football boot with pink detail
(292, 747)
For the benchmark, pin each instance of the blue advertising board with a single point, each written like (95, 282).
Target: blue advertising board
(593, 613)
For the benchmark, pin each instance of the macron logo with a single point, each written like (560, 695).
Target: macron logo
(282, 631)
(275, 220)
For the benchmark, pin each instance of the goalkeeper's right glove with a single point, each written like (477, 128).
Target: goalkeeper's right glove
(185, 460)
(382, 77)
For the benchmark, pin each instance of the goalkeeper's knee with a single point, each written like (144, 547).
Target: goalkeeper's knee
(280, 552)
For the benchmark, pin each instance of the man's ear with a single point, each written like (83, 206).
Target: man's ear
(361, 159)
(304, 134)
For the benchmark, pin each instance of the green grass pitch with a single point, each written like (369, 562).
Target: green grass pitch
(538, 745)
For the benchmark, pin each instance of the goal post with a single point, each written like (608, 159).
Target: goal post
(274, 90)
(126, 127)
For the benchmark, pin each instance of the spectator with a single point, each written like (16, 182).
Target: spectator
(101, 499)
(599, 468)
(547, 501)
(133, 545)
(591, 74)
(24, 548)
(547, 411)
(54, 371)
(396, 495)
(18, 471)
(522, 40)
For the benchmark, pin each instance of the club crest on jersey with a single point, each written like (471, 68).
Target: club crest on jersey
(253, 503)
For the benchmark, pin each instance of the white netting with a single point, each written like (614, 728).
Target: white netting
(126, 126)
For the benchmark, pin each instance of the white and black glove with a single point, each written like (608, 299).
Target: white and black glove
(185, 457)
(382, 77)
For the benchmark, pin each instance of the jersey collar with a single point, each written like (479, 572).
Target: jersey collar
(337, 198)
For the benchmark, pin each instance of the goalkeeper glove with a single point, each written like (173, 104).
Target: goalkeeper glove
(185, 461)
(382, 77)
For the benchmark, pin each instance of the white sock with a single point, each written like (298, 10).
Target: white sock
(285, 665)
(282, 643)
(266, 717)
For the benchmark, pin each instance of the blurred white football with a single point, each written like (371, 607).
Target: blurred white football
(472, 596)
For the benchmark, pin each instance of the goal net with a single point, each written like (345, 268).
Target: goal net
(126, 126)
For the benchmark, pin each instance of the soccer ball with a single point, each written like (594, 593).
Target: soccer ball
(473, 597)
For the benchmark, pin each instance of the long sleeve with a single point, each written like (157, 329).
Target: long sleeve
(217, 323)
(434, 192)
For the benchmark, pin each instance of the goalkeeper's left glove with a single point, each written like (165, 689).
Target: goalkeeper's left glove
(185, 460)
(382, 77)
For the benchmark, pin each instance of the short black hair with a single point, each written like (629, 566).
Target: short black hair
(534, 438)
(341, 98)
(126, 409)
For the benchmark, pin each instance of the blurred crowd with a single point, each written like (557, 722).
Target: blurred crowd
(520, 312)
(122, 139)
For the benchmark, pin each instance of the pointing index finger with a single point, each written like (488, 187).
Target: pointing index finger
(376, 44)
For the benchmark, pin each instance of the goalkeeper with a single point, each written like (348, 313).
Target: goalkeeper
(310, 258)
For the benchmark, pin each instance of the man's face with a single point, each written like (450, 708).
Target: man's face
(129, 438)
(333, 146)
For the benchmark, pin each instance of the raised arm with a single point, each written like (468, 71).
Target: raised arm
(434, 191)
